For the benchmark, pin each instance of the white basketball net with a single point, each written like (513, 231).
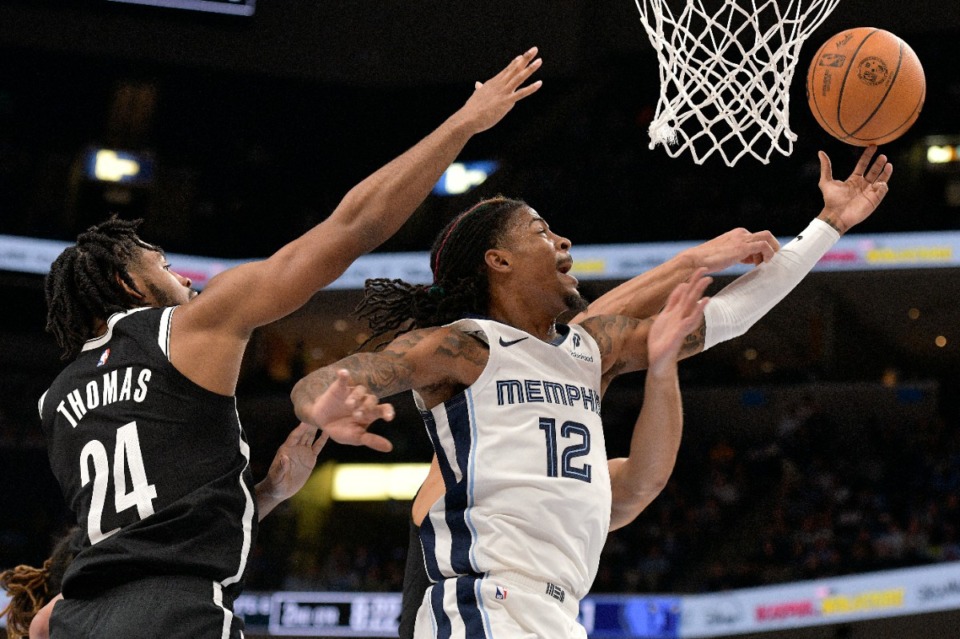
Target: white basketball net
(725, 73)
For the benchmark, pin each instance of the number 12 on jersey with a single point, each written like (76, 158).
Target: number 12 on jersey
(564, 460)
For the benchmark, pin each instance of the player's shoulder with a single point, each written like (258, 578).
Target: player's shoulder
(131, 322)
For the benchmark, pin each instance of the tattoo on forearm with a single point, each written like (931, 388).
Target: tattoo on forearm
(608, 330)
(381, 373)
(390, 371)
(386, 375)
(829, 220)
(313, 385)
(693, 343)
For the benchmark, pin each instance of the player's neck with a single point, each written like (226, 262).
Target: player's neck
(540, 325)
(99, 328)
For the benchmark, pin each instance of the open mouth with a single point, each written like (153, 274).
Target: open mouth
(564, 267)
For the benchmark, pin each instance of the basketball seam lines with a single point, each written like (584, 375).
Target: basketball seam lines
(843, 85)
(889, 89)
(850, 136)
(822, 120)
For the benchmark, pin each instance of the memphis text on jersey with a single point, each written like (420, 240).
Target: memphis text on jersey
(116, 386)
(533, 391)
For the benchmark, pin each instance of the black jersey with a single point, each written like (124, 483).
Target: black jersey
(155, 468)
(415, 584)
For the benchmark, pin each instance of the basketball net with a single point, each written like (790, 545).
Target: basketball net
(725, 73)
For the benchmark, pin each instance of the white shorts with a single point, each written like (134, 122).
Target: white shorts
(500, 606)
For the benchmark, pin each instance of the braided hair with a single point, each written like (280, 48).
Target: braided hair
(82, 286)
(460, 285)
(30, 588)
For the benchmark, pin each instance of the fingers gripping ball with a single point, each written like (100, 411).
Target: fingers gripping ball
(865, 86)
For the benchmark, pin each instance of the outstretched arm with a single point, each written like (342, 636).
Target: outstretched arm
(740, 304)
(371, 212)
(637, 479)
(219, 321)
(644, 295)
(845, 204)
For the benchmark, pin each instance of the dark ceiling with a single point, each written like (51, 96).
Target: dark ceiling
(259, 125)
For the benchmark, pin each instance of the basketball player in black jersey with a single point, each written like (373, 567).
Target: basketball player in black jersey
(35, 591)
(142, 428)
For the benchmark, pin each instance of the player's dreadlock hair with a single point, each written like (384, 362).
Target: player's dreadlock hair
(82, 285)
(30, 588)
(460, 286)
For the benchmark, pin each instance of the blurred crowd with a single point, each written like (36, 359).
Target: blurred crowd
(823, 499)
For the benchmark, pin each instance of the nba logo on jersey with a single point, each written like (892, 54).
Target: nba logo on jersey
(576, 341)
(104, 357)
(501, 593)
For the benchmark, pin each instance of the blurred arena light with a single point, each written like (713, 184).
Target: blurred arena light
(942, 150)
(377, 482)
(462, 177)
(942, 154)
(119, 167)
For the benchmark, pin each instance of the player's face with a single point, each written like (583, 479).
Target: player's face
(544, 260)
(161, 285)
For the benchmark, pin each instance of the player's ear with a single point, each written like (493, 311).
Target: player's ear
(132, 292)
(497, 259)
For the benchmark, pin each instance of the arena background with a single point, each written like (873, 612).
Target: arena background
(255, 126)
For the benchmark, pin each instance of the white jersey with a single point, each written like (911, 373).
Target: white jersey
(523, 458)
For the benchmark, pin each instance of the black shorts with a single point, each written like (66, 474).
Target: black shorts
(156, 607)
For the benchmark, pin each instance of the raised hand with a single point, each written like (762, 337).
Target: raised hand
(344, 411)
(681, 316)
(493, 99)
(294, 461)
(736, 246)
(847, 203)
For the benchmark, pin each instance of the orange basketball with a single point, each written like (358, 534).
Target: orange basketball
(865, 86)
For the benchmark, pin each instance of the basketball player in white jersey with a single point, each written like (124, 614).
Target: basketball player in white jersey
(657, 432)
(511, 399)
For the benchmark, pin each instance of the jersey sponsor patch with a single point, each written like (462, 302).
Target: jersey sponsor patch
(576, 345)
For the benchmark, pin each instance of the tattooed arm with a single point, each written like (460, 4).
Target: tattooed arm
(434, 361)
(623, 341)
(645, 294)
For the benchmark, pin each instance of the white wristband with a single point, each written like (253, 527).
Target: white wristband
(732, 311)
